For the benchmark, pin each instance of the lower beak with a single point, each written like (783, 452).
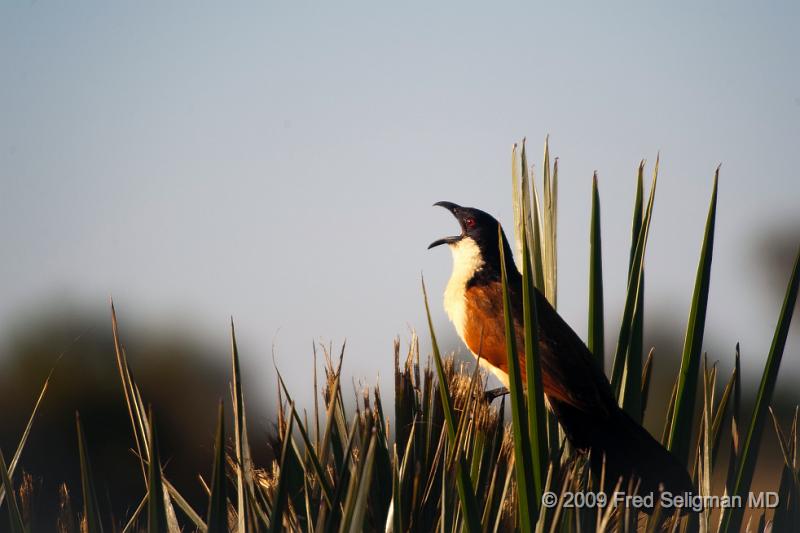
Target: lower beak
(450, 206)
(445, 240)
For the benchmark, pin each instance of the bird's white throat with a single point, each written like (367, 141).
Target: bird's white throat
(467, 260)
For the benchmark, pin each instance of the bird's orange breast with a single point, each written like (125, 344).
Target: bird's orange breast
(484, 334)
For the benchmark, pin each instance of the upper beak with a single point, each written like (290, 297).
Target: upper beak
(453, 208)
(450, 206)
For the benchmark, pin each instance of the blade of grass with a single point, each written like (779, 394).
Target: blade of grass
(218, 500)
(24, 438)
(732, 518)
(517, 200)
(631, 375)
(287, 476)
(596, 332)
(91, 511)
(316, 397)
(156, 511)
(312, 454)
(183, 505)
(719, 416)
(244, 478)
(668, 418)
(343, 477)
(309, 516)
(683, 415)
(733, 455)
(406, 505)
(394, 521)
(405, 398)
(447, 519)
(638, 212)
(631, 397)
(498, 523)
(130, 396)
(788, 512)
(537, 415)
(634, 279)
(549, 224)
(352, 486)
(365, 482)
(330, 416)
(647, 374)
(704, 472)
(135, 515)
(141, 427)
(532, 221)
(554, 230)
(785, 446)
(14, 516)
(519, 418)
(466, 493)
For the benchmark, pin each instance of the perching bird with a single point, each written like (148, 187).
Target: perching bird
(578, 392)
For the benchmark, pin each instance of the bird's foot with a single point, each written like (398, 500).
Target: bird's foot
(490, 395)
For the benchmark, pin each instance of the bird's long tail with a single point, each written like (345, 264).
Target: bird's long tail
(628, 450)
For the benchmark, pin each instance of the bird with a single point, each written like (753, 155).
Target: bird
(576, 390)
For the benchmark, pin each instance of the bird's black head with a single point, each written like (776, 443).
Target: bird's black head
(480, 227)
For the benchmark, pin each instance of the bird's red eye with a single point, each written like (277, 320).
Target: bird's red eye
(469, 222)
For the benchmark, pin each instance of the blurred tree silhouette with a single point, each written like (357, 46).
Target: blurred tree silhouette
(772, 253)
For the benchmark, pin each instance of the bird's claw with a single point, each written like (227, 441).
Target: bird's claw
(490, 395)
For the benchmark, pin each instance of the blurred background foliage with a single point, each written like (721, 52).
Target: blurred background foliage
(183, 379)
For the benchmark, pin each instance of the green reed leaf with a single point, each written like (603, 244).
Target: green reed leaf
(596, 326)
(526, 486)
(536, 412)
(631, 301)
(683, 415)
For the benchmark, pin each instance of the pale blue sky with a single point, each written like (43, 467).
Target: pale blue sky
(277, 162)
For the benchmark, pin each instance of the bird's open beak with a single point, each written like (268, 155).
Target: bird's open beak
(453, 208)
